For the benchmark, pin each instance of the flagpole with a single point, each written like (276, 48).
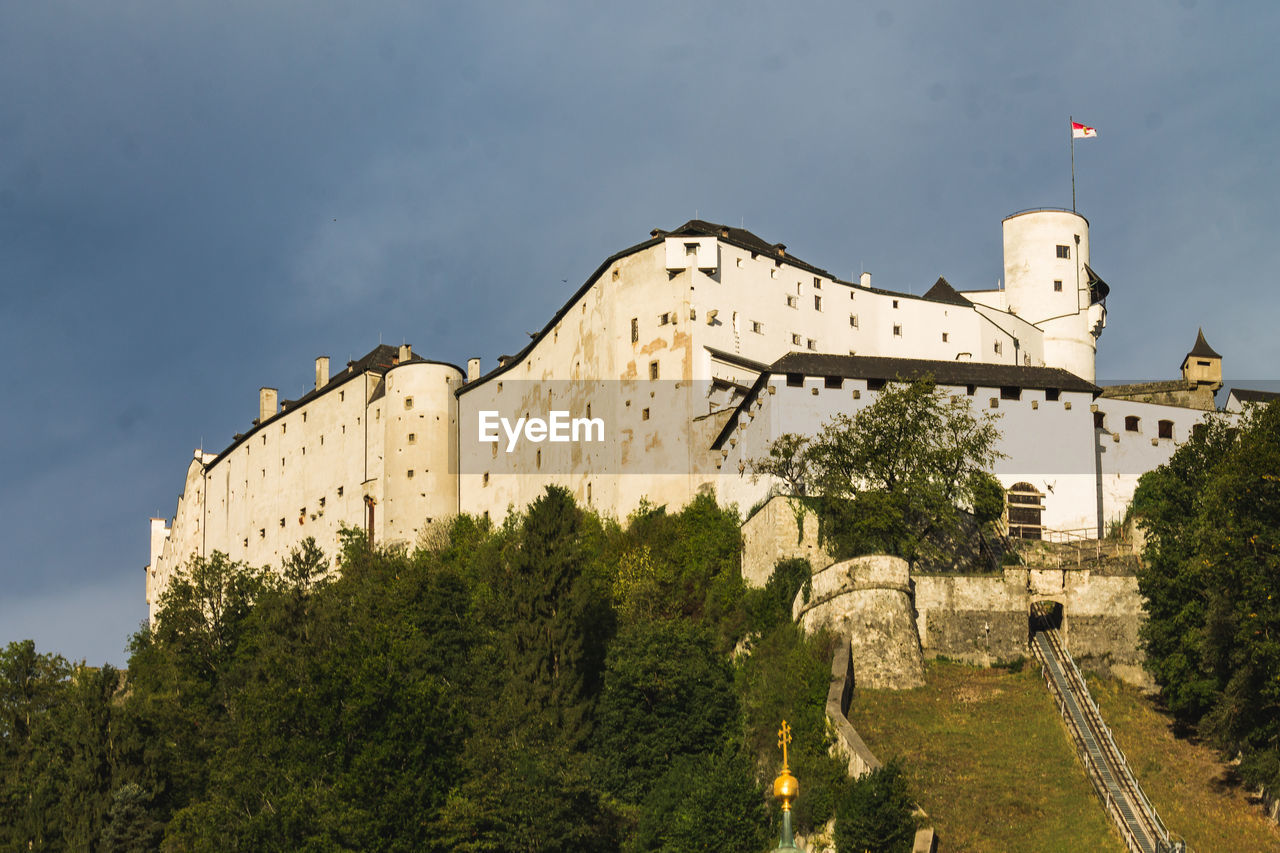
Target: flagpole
(1071, 134)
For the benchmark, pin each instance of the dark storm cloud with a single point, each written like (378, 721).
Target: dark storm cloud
(196, 200)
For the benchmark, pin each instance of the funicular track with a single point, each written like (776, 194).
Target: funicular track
(1115, 785)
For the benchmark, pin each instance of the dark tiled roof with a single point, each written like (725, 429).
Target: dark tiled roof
(943, 372)
(942, 291)
(1202, 348)
(743, 239)
(1245, 395)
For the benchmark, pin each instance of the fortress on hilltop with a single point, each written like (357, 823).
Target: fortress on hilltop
(692, 351)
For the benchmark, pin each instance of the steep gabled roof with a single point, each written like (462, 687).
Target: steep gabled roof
(942, 291)
(1246, 395)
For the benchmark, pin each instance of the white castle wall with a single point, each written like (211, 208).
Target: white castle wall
(308, 472)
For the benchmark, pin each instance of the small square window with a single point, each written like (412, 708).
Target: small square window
(757, 327)
(690, 250)
(811, 344)
(773, 273)
(410, 472)
(664, 319)
(795, 339)
(1064, 251)
(739, 263)
(1131, 423)
(413, 438)
(1057, 286)
(795, 380)
(897, 329)
(793, 302)
(1052, 394)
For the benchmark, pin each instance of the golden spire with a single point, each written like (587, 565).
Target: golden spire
(785, 787)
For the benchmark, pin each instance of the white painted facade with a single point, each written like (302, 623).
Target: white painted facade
(662, 342)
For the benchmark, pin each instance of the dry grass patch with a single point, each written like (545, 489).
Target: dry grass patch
(1197, 795)
(989, 759)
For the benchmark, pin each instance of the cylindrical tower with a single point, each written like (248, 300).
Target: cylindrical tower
(1048, 283)
(420, 462)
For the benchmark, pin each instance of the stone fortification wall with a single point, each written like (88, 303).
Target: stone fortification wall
(868, 600)
(849, 744)
(985, 619)
(782, 529)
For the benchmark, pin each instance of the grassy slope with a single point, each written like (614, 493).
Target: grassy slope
(1188, 785)
(990, 760)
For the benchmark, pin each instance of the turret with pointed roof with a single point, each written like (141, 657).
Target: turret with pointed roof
(1203, 365)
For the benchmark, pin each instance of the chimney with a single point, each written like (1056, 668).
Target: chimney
(322, 372)
(267, 403)
(473, 369)
(406, 353)
(865, 280)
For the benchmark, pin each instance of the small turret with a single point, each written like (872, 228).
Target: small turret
(1202, 365)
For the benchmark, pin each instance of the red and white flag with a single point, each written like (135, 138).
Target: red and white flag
(1082, 131)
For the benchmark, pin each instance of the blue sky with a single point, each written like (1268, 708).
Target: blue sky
(198, 199)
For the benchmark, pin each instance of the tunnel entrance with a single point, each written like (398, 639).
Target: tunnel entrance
(1045, 615)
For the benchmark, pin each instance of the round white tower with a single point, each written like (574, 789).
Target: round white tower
(1048, 282)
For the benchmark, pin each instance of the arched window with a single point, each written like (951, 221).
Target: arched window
(1025, 504)
(1131, 423)
(1164, 429)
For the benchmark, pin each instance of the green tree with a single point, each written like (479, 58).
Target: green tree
(1211, 580)
(667, 692)
(710, 802)
(31, 686)
(894, 477)
(875, 814)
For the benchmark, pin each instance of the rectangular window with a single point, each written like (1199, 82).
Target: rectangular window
(944, 337)
(408, 402)
(1010, 392)
(410, 473)
(999, 347)
(795, 380)
(690, 250)
(1165, 429)
(895, 303)
(664, 319)
(1057, 286)
(795, 339)
(413, 438)
(653, 370)
(875, 384)
(339, 491)
(897, 329)
(635, 330)
(817, 283)
(1131, 423)
(811, 344)
(644, 414)
(757, 327)
(832, 382)
(1052, 394)
(793, 302)
(853, 321)
(1064, 251)
(817, 302)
